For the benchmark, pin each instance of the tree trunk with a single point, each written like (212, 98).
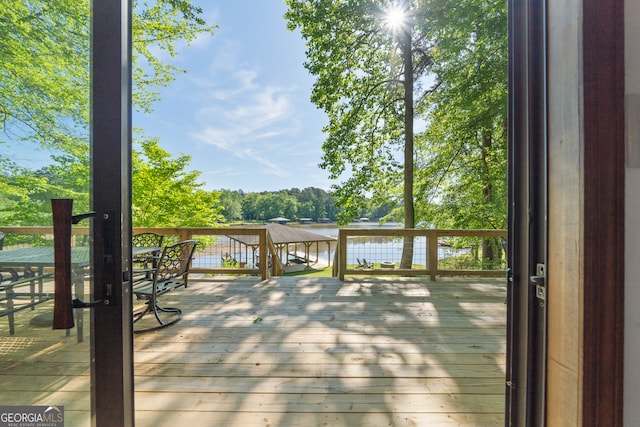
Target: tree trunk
(490, 246)
(409, 214)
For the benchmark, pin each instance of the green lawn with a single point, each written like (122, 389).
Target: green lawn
(313, 272)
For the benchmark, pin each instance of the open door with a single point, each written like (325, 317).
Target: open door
(67, 135)
(526, 294)
(110, 300)
(112, 335)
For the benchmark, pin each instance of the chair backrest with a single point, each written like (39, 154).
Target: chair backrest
(147, 240)
(1, 239)
(175, 260)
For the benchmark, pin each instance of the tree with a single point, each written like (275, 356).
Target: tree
(314, 203)
(276, 204)
(44, 96)
(458, 54)
(462, 156)
(166, 194)
(365, 83)
(231, 202)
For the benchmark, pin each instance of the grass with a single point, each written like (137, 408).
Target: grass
(312, 272)
(469, 262)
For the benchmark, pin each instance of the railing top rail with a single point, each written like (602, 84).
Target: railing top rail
(421, 232)
(160, 230)
(240, 231)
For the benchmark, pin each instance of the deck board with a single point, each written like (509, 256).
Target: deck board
(293, 351)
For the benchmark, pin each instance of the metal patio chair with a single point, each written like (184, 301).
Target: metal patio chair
(144, 264)
(171, 272)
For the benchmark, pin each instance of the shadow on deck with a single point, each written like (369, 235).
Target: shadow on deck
(295, 351)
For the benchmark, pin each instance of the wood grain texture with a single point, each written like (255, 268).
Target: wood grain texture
(294, 351)
(603, 73)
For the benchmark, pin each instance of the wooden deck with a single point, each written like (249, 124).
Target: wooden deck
(293, 351)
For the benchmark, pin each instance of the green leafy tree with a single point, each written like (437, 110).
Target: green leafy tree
(462, 156)
(365, 74)
(231, 202)
(457, 53)
(276, 204)
(320, 203)
(44, 96)
(250, 210)
(166, 194)
(45, 70)
(306, 210)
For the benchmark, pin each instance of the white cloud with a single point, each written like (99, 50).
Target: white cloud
(241, 114)
(250, 121)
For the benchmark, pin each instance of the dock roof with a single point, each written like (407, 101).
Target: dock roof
(283, 234)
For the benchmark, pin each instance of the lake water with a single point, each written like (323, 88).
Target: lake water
(371, 249)
(374, 249)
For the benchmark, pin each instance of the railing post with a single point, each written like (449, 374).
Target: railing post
(264, 254)
(342, 252)
(185, 234)
(432, 254)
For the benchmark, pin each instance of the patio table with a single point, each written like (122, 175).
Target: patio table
(33, 261)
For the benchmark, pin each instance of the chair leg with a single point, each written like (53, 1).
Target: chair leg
(153, 307)
(9, 298)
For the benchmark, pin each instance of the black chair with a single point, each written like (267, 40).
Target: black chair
(144, 264)
(171, 272)
(147, 239)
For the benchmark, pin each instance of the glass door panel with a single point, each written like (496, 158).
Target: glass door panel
(65, 102)
(44, 154)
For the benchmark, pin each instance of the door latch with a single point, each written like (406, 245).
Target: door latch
(539, 281)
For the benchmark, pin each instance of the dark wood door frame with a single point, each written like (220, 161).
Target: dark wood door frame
(604, 176)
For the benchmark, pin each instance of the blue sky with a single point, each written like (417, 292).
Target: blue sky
(243, 111)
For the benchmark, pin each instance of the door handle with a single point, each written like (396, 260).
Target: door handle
(62, 306)
(64, 303)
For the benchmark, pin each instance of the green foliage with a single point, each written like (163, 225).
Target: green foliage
(359, 85)
(231, 202)
(263, 206)
(45, 68)
(166, 194)
(462, 156)
(315, 203)
(310, 202)
(26, 195)
(159, 26)
(44, 45)
(459, 53)
(44, 102)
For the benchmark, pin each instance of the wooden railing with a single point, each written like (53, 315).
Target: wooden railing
(263, 245)
(428, 265)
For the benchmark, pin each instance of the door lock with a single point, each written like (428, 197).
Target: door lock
(539, 281)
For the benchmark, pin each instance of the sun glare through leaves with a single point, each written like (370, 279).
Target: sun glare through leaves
(395, 17)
